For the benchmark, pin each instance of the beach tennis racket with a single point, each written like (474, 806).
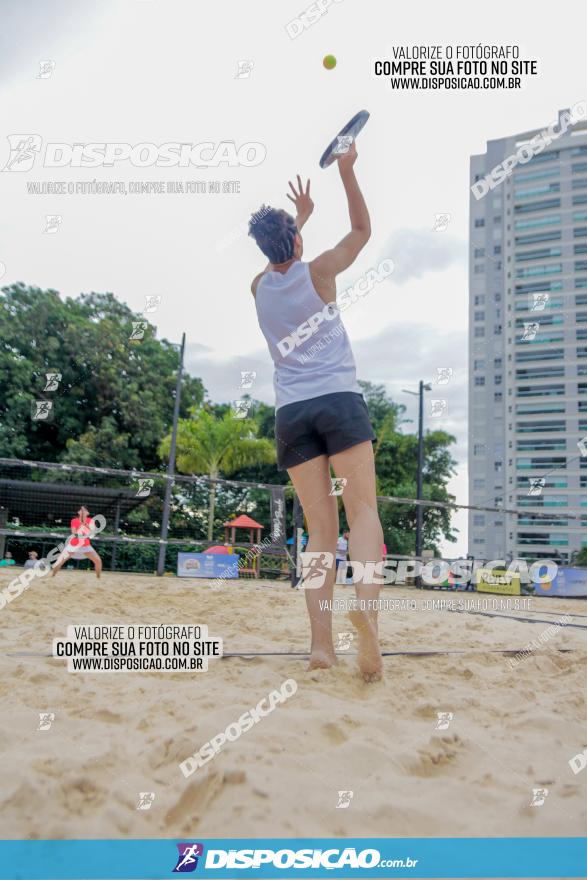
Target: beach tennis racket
(336, 147)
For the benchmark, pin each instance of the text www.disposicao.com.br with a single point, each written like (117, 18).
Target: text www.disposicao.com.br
(112, 664)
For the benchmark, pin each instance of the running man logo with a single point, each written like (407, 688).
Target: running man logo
(187, 859)
(46, 69)
(538, 797)
(438, 407)
(45, 720)
(240, 408)
(42, 410)
(343, 144)
(539, 301)
(146, 798)
(23, 151)
(247, 378)
(537, 484)
(244, 69)
(138, 330)
(441, 222)
(530, 331)
(152, 303)
(344, 641)
(578, 762)
(444, 719)
(315, 566)
(443, 375)
(344, 799)
(144, 489)
(52, 223)
(337, 485)
(53, 380)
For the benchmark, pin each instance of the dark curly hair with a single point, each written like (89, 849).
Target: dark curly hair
(274, 231)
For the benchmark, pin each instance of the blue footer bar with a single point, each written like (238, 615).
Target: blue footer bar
(293, 857)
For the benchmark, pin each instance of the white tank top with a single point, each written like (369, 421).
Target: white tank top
(307, 340)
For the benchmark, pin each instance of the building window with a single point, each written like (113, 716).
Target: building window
(480, 269)
(497, 330)
(543, 205)
(479, 316)
(479, 222)
(479, 364)
(479, 380)
(479, 519)
(546, 188)
(497, 250)
(480, 299)
(497, 218)
(498, 397)
(479, 332)
(498, 380)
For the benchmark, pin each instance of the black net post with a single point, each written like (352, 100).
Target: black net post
(298, 523)
(3, 520)
(116, 532)
(170, 466)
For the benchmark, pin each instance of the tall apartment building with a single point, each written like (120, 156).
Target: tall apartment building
(528, 349)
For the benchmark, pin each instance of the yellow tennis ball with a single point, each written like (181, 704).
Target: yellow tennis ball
(329, 62)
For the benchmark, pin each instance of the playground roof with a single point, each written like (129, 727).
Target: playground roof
(244, 522)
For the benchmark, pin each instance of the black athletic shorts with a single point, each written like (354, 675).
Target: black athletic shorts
(322, 425)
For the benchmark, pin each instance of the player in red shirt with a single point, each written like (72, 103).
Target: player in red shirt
(79, 546)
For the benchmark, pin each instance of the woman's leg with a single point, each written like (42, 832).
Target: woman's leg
(96, 560)
(312, 483)
(357, 465)
(63, 557)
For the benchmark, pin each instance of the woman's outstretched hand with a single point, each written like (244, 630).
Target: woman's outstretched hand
(302, 201)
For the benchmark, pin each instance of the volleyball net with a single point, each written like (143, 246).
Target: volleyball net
(39, 499)
(261, 523)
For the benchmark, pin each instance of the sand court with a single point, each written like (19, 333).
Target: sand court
(337, 758)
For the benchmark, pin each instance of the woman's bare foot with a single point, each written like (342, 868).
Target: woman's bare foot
(320, 659)
(370, 662)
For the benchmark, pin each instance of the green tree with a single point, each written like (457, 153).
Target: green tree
(216, 447)
(396, 461)
(114, 400)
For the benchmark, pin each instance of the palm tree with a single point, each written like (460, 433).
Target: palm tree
(215, 446)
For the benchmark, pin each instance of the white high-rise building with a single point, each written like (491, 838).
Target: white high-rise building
(528, 345)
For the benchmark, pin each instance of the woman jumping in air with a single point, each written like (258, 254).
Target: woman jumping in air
(321, 418)
(78, 546)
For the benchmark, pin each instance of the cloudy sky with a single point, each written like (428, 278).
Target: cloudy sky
(148, 71)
